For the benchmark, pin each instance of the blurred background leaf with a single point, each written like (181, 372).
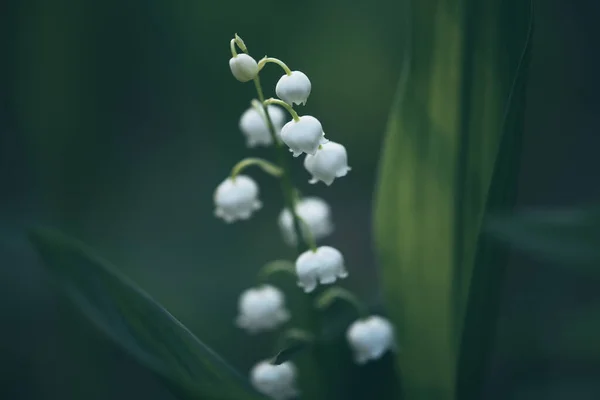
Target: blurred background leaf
(440, 153)
(565, 236)
(137, 323)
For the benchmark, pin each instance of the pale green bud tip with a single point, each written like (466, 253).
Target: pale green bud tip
(243, 67)
(240, 43)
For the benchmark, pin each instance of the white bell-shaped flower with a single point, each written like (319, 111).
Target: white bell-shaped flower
(370, 338)
(275, 381)
(303, 136)
(294, 88)
(316, 214)
(236, 199)
(329, 162)
(323, 265)
(253, 125)
(243, 67)
(261, 309)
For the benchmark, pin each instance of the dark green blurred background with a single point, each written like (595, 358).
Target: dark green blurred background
(118, 120)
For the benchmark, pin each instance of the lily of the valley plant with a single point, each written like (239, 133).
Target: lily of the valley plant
(302, 222)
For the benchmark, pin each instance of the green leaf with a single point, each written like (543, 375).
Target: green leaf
(275, 267)
(449, 156)
(294, 342)
(135, 322)
(566, 236)
(330, 295)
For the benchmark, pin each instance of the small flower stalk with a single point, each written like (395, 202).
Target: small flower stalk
(275, 381)
(370, 338)
(262, 309)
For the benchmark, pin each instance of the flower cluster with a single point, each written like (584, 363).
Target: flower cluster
(302, 222)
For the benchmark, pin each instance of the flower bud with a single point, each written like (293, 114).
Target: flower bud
(261, 309)
(303, 136)
(236, 199)
(329, 162)
(253, 125)
(243, 67)
(275, 381)
(316, 214)
(324, 266)
(294, 88)
(370, 338)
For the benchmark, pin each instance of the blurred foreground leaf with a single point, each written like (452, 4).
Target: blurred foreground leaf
(138, 324)
(449, 156)
(566, 236)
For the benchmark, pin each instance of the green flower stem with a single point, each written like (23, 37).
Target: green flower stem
(265, 165)
(316, 388)
(326, 299)
(286, 181)
(291, 343)
(285, 105)
(309, 237)
(277, 61)
(298, 334)
(232, 46)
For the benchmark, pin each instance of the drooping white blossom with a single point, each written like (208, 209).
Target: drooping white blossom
(275, 381)
(236, 199)
(315, 213)
(243, 67)
(261, 309)
(329, 162)
(370, 338)
(253, 125)
(303, 136)
(323, 265)
(294, 88)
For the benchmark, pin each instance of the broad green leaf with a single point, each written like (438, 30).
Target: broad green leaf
(448, 157)
(566, 236)
(135, 322)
